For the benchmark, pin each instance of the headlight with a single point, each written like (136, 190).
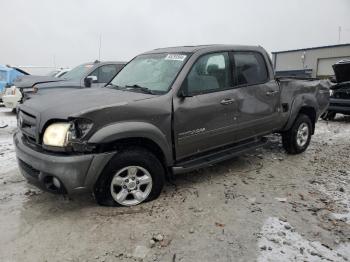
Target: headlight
(331, 92)
(57, 134)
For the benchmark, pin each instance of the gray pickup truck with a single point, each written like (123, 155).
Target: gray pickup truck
(168, 111)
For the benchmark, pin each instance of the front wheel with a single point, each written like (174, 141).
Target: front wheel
(132, 177)
(297, 138)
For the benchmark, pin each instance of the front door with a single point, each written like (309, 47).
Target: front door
(205, 120)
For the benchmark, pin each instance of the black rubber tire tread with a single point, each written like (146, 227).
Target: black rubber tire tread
(289, 137)
(130, 156)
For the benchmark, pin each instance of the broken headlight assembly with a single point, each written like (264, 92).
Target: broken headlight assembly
(63, 134)
(82, 127)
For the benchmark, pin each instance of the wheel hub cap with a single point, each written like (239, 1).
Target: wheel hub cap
(131, 185)
(302, 134)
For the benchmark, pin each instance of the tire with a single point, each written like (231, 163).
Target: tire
(295, 140)
(329, 115)
(129, 170)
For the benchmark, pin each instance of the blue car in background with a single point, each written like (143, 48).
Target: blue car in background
(7, 76)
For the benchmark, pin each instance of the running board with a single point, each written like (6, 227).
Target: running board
(218, 156)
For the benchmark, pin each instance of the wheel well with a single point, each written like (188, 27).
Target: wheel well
(310, 112)
(146, 143)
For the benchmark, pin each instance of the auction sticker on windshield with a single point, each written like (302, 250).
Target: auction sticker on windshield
(175, 57)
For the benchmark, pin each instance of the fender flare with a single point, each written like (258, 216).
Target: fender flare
(299, 102)
(124, 130)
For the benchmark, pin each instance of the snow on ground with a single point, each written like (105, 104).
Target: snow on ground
(280, 242)
(7, 126)
(263, 206)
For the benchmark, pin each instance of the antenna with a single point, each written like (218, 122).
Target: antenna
(99, 48)
(339, 34)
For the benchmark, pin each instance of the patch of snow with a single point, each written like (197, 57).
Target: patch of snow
(332, 191)
(7, 154)
(280, 242)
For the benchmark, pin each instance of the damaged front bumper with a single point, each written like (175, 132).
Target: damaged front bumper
(59, 173)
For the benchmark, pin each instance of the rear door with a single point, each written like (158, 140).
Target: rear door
(205, 120)
(256, 96)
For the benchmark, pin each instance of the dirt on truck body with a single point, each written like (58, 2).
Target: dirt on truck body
(168, 111)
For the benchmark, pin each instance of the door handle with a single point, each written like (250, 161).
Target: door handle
(227, 101)
(272, 93)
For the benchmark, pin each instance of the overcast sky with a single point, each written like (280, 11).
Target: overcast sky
(39, 32)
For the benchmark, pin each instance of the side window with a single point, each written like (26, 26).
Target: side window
(250, 68)
(210, 73)
(95, 73)
(104, 73)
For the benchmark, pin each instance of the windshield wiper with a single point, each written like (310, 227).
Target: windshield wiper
(142, 88)
(114, 86)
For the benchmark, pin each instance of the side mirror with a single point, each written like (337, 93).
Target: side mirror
(89, 80)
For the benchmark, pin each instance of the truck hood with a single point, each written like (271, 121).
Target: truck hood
(342, 71)
(29, 81)
(61, 105)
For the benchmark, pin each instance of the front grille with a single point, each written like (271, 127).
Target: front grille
(29, 169)
(27, 124)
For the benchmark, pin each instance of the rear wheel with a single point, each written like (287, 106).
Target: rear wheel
(297, 138)
(132, 177)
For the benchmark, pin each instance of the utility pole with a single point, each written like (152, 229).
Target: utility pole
(99, 48)
(339, 34)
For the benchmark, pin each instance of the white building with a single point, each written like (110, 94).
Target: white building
(309, 62)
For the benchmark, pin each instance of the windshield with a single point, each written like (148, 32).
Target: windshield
(53, 73)
(155, 72)
(77, 73)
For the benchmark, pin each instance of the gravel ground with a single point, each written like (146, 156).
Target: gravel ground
(263, 206)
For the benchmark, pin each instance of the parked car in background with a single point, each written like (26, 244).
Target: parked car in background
(12, 95)
(94, 74)
(7, 76)
(168, 111)
(340, 92)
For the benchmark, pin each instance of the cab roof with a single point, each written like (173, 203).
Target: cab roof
(204, 48)
(104, 63)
